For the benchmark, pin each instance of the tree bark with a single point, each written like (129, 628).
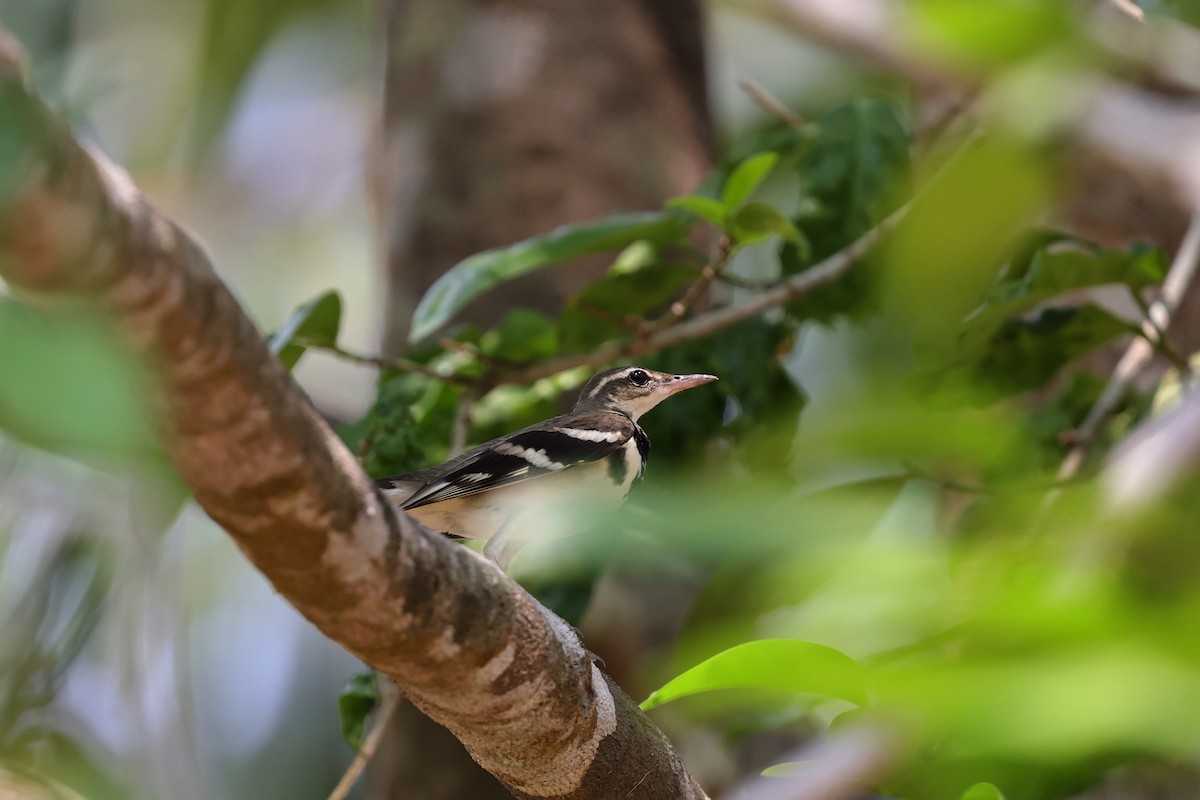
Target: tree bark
(504, 119)
(468, 646)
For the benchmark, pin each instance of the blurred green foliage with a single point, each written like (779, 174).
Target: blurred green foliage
(70, 384)
(902, 554)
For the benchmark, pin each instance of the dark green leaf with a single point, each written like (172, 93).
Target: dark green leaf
(522, 335)
(71, 384)
(707, 208)
(1056, 269)
(356, 701)
(316, 322)
(781, 664)
(745, 178)
(857, 161)
(1024, 354)
(408, 427)
(756, 221)
(469, 278)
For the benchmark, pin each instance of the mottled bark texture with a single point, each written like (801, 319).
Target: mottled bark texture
(463, 642)
(503, 119)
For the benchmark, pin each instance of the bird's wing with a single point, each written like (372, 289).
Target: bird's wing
(553, 446)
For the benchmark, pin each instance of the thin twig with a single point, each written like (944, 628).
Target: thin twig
(771, 104)
(1140, 350)
(391, 701)
(381, 362)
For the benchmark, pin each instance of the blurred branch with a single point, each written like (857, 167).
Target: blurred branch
(1140, 350)
(838, 768)
(850, 31)
(465, 644)
(394, 363)
(771, 104)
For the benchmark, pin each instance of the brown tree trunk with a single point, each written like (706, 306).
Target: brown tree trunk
(505, 119)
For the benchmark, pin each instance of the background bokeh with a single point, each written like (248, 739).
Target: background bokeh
(325, 144)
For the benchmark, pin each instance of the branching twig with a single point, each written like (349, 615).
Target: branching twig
(692, 294)
(1139, 352)
(710, 322)
(391, 701)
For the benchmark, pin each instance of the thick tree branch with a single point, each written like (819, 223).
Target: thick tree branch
(465, 644)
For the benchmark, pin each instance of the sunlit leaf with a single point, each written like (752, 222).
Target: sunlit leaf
(935, 276)
(745, 178)
(469, 278)
(983, 791)
(781, 664)
(315, 322)
(707, 208)
(787, 769)
(356, 701)
(989, 32)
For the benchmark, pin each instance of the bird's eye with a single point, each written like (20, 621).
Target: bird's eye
(639, 377)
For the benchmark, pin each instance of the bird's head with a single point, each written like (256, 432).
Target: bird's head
(634, 390)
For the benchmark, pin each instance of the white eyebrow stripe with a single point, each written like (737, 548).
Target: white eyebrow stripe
(535, 457)
(595, 392)
(592, 436)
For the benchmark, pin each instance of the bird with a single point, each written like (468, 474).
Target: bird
(546, 480)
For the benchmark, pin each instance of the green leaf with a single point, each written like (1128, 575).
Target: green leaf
(983, 791)
(707, 208)
(71, 384)
(781, 664)
(851, 172)
(756, 221)
(788, 769)
(523, 335)
(316, 322)
(745, 178)
(356, 701)
(467, 279)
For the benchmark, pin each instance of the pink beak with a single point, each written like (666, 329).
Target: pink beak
(680, 382)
